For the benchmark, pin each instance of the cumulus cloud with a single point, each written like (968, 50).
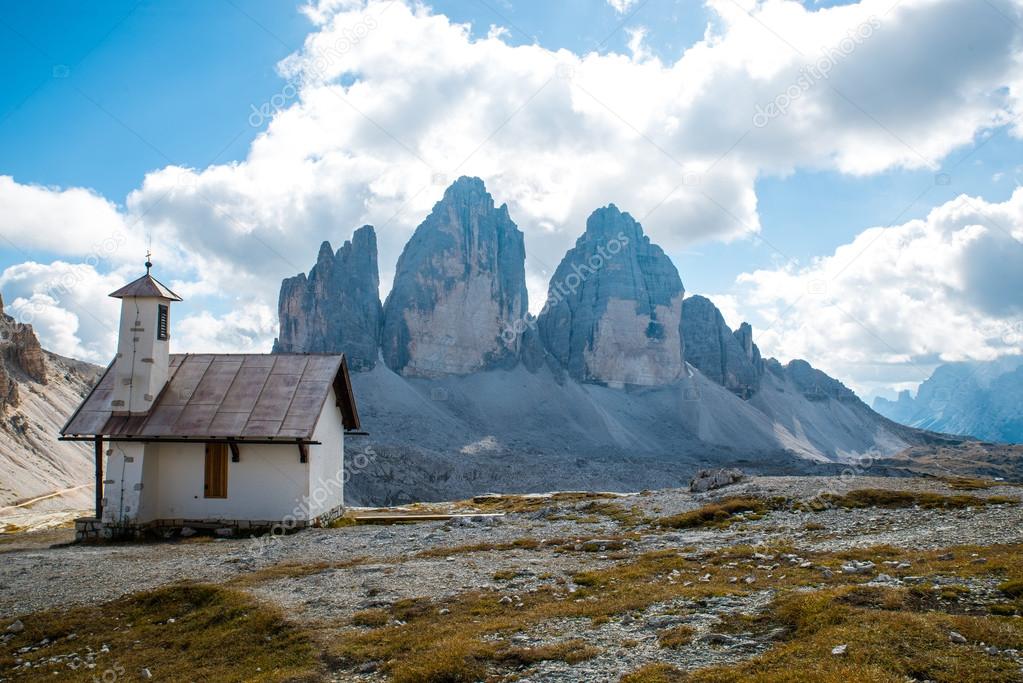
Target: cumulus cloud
(69, 222)
(249, 329)
(392, 102)
(888, 306)
(67, 304)
(387, 102)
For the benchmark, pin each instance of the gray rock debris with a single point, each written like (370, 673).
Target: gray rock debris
(707, 480)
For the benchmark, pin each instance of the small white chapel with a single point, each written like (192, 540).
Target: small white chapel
(216, 441)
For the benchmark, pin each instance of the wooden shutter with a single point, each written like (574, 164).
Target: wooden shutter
(216, 471)
(162, 322)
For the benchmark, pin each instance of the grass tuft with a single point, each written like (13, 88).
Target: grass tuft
(676, 637)
(885, 498)
(717, 515)
(181, 633)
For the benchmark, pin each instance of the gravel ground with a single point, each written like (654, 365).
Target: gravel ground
(385, 564)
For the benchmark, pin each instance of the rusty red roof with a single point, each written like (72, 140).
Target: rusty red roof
(221, 396)
(147, 285)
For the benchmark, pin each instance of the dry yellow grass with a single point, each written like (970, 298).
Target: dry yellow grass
(717, 515)
(886, 498)
(675, 637)
(886, 643)
(181, 633)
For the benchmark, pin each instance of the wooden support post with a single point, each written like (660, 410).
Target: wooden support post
(303, 452)
(99, 477)
(236, 455)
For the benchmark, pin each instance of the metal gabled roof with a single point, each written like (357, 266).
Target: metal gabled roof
(147, 285)
(227, 396)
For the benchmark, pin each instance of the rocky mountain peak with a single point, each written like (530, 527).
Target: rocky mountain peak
(336, 308)
(815, 384)
(614, 306)
(459, 287)
(609, 220)
(730, 359)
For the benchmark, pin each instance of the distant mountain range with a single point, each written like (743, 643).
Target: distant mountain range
(979, 399)
(621, 382)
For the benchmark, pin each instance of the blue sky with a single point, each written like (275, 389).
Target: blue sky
(99, 96)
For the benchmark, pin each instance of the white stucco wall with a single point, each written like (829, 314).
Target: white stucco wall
(123, 483)
(266, 485)
(326, 488)
(141, 363)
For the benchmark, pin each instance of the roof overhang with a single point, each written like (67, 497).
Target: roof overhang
(195, 439)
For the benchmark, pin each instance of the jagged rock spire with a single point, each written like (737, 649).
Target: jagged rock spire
(336, 308)
(459, 288)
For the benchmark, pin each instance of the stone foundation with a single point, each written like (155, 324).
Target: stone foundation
(91, 529)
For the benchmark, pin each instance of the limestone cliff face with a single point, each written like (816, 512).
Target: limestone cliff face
(20, 356)
(459, 292)
(614, 306)
(336, 308)
(730, 359)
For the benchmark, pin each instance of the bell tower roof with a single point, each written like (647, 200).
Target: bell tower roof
(146, 286)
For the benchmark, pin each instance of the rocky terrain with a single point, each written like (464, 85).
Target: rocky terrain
(978, 399)
(38, 391)
(619, 383)
(769, 579)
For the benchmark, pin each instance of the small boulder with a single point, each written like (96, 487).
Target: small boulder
(16, 627)
(840, 650)
(957, 638)
(708, 480)
(856, 567)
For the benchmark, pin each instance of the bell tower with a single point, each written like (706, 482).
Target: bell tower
(143, 344)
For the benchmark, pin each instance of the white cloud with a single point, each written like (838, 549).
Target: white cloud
(622, 6)
(884, 309)
(248, 329)
(555, 134)
(68, 306)
(69, 222)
